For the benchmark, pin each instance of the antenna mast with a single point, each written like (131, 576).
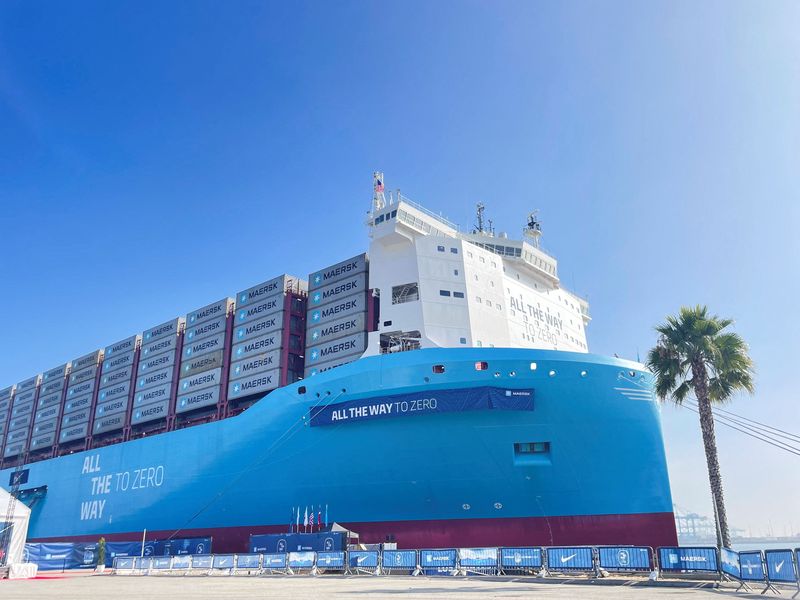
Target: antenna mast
(479, 218)
(533, 230)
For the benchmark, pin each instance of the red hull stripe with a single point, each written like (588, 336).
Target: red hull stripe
(647, 529)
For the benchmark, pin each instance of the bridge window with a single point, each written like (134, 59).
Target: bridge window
(440, 248)
(444, 293)
(458, 294)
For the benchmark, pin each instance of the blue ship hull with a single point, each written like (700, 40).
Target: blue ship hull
(425, 479)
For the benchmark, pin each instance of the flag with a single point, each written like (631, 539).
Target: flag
(291, 520)
(305, 519)
(326, 516)
(298, 520)
(319, 518)
(312, 518)
(378, 185)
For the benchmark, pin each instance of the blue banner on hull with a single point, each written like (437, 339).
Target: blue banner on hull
(419, 403)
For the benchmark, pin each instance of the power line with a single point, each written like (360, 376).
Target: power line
(762, 429)
(764, 425)
(752, 433)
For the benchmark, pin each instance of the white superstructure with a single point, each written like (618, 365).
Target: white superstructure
(440, 287)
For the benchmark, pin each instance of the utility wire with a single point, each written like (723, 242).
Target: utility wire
(764, 425)
(771, 442)
(765, 430)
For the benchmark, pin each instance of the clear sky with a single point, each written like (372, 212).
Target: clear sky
(155, 157)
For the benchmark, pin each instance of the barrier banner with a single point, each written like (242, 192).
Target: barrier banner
(120, 549)
(204, 561)
(399, 559)
(301, 560)
(521, 558)
(679, 559)
(143, 563)
(330, 560)
(124, 563)
(437, 558)
(780, 566)
(162, 562)
(751, 565)
(274, 561)
(570, 559)
(422, 403)
(31, 553)
(248, 561)
(182, 562)
(51, 556)
(180, 546)
(477, 557)
(362, 559)
(729, 561)
(624, 558)
(325, 541)
(222, 561)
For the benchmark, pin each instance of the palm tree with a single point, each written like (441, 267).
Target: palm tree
(695, 354)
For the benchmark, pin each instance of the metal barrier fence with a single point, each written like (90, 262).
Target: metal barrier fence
(771, 567)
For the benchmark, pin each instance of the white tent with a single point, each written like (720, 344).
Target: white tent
(19, 526)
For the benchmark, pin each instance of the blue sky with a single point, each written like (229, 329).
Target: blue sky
(155, 157)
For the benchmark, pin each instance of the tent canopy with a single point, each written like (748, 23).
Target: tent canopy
(19, 526)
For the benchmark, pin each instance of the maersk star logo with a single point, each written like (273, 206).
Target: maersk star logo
(243, 298)
(185, 384)
(240, 333)
(316, 298)
(146, 350)
(192, 318)
(315, 316)
(147, 335)
(191, 334)
(314, 355)
(315, 335)
(238, 369)
(236, 388)
(317, 278)
(239, 351)
(138, 414)
(241, 315)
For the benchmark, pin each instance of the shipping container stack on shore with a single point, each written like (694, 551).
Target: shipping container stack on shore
(339, 315)
(211, 365)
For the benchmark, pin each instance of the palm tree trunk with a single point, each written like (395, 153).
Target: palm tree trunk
(700, 385)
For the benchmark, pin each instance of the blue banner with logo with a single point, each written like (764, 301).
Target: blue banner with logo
(124, 563)
(780, 566)
(182, 562)
(570, 559)
(248, 561)
(301, 560)
(52, 556)
(120, 549)
(222, 561)
(274, 561)
(362, 559)
(751, 565)
(729, 563)
(400, 559)
(477, 557)
(180, 546)
(437, 558)
(330, 560)
(677, 558)
(521, 558)
(162, 562)
(326, 541)
(422, 403)
(143, 563)
(203, 561)
(624, 558)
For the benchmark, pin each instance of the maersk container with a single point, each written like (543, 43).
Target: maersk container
(17, 436)
(14, 449)
(156, 363)
(56, 373)
(87, 360)
(116, 376)
(257, 364)
(274, 287)
(114, 391)
(117, 361)
(255, 383)
(208, 312)
(320, 334)
(343, 307)
(154, 378)
(204, 346)
(20, 422)
(85, 374)
(256, 346)
(337, 272)
(150, 412)
(200, 380)
(73, 432)
(43, 441)
(170, 328)
(258, 328)
(153, 395)
(205, 329)
(259, 310)
(353, 344)
(28, 384)
(199, 399)
(108, 423)
(80, 389)
(49, 400)
(54, 385)
(111, 408)
(79, 403)
(339, 289)
(24, 397)
(45, 427)
(51, 412)
(121, 347)
(81, 416)
(159, 346)
(6, 393)
(205, 362)
(22, 409)
(327, 366)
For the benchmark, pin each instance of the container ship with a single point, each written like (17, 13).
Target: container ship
(435, 391)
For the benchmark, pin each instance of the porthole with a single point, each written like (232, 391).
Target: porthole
(466, 506)
(552, 373)
(632, 373)
(583, 373)
(512, 373)
(498, 505)
(497, 373)
(301, 389)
